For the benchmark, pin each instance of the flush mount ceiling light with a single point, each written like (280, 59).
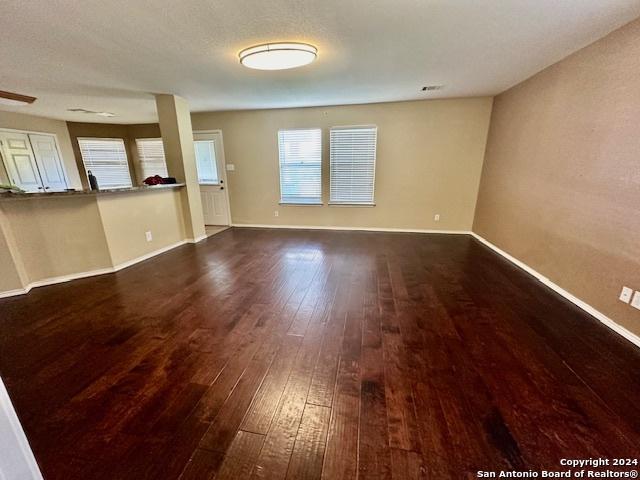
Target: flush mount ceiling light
(15, 99)
(278, 56)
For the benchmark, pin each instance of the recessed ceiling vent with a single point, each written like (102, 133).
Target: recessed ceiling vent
(432, 88)
(82, 110)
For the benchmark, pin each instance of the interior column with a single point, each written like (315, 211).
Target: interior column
(177, 137)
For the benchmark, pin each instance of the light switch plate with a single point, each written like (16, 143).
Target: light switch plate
(635, 303)
(625, 295)
(230, 167)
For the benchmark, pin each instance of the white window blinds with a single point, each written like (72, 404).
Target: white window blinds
(107, 160)
(151, 156)
(352, 164)
(300, 154)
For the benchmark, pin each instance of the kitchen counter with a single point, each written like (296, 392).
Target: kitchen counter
(77, 193)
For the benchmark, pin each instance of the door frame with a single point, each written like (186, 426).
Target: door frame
(19, 460)
(224, 167)
(27, 132)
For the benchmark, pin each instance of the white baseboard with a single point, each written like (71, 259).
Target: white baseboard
(13, 293)
(67, 278)
(359, 229)
(147, 256)
(91, 273)
(619, 329)
(120, 266)
(196, 240)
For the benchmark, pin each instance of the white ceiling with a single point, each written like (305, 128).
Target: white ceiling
(112, 55)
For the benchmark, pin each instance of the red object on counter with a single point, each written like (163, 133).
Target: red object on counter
(155, 180)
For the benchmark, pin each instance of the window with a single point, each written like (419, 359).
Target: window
(353, 165)
(151, 155)
(107, 160)
(300, 153)
(206, 163)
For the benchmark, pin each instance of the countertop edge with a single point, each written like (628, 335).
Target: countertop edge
(88, 193)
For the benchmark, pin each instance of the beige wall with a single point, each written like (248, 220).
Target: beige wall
(11, 268)
(99, 130)
(19, 121)
(127, 216)
(41, 239)
(429, 161)
(57, 236)
(128, 133)
(561, 182)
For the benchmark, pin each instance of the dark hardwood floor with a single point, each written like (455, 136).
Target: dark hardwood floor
(287, 354)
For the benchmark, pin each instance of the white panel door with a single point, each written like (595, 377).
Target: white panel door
(211, 176)
(20, 161)
(49, 163)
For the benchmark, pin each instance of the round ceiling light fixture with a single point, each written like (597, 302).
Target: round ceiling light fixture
(278, 56)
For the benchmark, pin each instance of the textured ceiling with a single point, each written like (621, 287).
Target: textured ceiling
(112, 55)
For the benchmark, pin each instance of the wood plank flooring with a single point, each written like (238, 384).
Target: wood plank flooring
(283, 354)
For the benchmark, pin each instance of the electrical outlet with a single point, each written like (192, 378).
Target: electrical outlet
(436, 217)
(625, 295)
(635, 303)
(231, 167)
(148, 236)
(276, 213)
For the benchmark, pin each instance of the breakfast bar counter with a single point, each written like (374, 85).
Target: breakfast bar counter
(77, 193)
(52, 237)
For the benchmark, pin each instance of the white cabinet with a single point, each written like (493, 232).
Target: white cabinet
(32, 161)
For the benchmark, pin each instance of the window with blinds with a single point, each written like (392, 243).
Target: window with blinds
(107, 160)
(151, 156)
(352, 165)
(300, 154)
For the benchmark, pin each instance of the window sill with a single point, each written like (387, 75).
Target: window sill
(294, 204)
(337, 204)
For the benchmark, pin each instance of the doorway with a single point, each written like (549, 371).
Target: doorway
(212, 177)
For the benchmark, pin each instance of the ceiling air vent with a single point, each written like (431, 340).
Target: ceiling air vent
(100, 114)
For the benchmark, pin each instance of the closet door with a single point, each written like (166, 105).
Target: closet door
(20, 161)
(48, 161)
